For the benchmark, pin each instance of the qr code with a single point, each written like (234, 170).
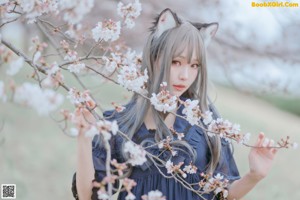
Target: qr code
(8, 191)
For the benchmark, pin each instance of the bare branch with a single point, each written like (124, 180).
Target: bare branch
(26, 59)
(93, 47)
(57, 29)
(53, 42)
(13, 20)
(83, 59)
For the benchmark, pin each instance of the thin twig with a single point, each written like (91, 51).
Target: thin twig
(82, 59)
(9, 22)
(93, 47)
(53, 43)
(57, 29)
(42, 28)
(37, 74)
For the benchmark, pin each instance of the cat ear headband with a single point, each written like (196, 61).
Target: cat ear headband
(167, 19)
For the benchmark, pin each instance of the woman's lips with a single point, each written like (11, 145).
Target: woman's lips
(179, 87)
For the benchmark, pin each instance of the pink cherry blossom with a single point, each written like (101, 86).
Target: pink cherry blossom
(164, 101)
(137, 155)
(108, 30)
(190, 169)
(15, 66)
(78, 98)
(216, 184)
(129, 12)
(54, 76)
(132, 79)
(224, 128)
(43, 101)
(75, 10)
(76, 67)
(35, 8)
(107, 126)
(192, 111)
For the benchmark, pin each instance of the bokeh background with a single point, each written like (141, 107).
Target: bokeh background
(254, 68)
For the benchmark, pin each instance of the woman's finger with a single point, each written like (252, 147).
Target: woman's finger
(271, 144)
(266, 142)
(274, 151)
(260, 139)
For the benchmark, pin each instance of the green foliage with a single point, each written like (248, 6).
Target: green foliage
(291, 105)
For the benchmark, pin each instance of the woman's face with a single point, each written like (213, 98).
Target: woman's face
(183, 73)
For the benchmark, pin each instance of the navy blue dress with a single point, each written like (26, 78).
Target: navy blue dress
(149, 178)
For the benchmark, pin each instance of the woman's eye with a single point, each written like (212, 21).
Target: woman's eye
(195, 66)
(175, 62)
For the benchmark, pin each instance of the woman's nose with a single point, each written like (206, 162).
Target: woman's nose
(184, 73)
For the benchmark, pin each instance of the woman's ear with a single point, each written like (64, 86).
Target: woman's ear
(165, 21)
(207, 31)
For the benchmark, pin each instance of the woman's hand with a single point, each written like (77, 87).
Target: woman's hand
(261, 157)
(260, 161)
(83, 118)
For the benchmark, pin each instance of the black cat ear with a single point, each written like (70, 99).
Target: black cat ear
(208, 31)
(165, 21)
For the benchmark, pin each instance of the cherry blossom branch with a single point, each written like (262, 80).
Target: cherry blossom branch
(19, 53)
(103, 75)
(7, 22)
(232, 137)
(35, 67)
(51, 54)
(57, 48)
(27, 60)
(189, 186)
(82, 59)
(43, 30)
(85, 88)
(14, 9)
(56, 29)
(50, 24)
(170, 112)
(175, 176)
(93, 47)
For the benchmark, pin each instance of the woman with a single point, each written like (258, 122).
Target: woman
(175, 54)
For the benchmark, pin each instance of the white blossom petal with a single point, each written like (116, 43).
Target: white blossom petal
(15, 66)
(43, 101)
(137, 155)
